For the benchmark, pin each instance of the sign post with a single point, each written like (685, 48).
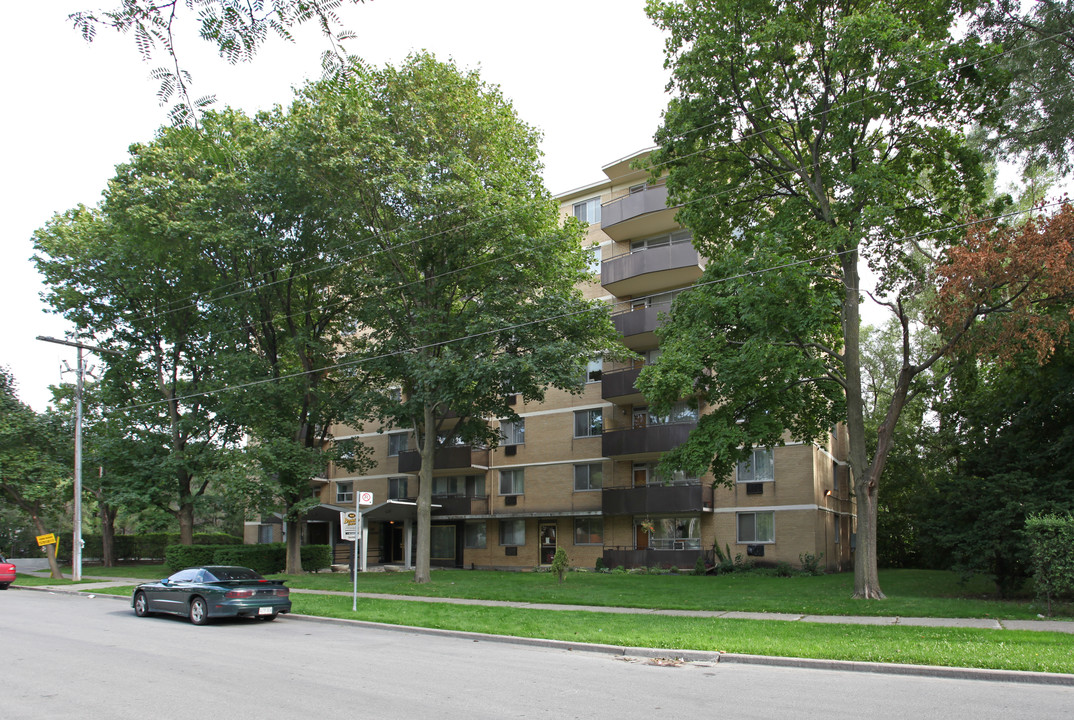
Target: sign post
(351, 528)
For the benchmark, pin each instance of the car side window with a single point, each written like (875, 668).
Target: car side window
(187, 575)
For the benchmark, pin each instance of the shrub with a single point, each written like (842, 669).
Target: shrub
(699, 566)
(600, 566)
(811, 563)
(783, 569)
(560, 563)
(1051, 546)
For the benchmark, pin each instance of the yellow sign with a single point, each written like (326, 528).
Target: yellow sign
(49, 539)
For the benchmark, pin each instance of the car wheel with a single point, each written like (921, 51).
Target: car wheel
(268, 618)
(199, 612)
(141, 605)
(3, 586)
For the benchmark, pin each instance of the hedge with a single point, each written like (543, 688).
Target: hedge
(1051, 544)
(147, 546)
(265, 558)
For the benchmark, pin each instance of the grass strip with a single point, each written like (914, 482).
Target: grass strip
(952, 647)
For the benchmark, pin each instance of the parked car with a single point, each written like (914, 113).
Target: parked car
(215, 591)
(7, 573)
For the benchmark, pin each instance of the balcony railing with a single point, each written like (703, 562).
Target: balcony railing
(656, 499)
(638, 327)
(459, 457)
(647, 271)
(619, 385)
(645, 440)
(637, 214)
(653, 557)
(458, 505)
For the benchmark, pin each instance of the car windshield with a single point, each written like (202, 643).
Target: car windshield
(230, 573)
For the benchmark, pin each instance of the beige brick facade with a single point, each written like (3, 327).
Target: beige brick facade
(588, 494)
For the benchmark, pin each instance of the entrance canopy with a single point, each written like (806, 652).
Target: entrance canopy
(392, 511)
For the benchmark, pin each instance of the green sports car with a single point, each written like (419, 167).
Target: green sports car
(213, 591)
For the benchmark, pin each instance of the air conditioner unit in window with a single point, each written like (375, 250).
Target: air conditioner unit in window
(511, 500)
(755, 550)
(510, 450)
(755, 488)
(512, 399)
(510, 551)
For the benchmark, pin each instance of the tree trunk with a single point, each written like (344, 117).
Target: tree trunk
(185, 516)
(427, 450)
(866, 577)
(293, 563)
(108, 534)
(50, 550)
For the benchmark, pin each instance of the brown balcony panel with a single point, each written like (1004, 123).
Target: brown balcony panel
(638, 214)
(460, 457)
(629, 558)
(652, 270)
(457, 505)
(656, 499)
(638, 327)
(619, 386)
(646, 440)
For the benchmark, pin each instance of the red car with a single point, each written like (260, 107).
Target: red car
(7, 573)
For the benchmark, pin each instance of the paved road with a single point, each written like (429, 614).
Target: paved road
(67, 656)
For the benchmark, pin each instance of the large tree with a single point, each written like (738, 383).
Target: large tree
(237, 28)
(34, 473)
(472, 274)
(804, 139)
(1036, 49)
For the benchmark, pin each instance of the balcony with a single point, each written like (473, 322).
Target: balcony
(453, 505)
(619, 387)
(651, 557)
(656, 499)
(459, 457)
(638, 214)
(644, 441)
(638, 327)
(648, 271)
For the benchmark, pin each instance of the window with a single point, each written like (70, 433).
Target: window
(474, 534)
(588, 423)
(681, 412)
(344, 492)
(837, 524)
(835, 476)
(588, 477)
(264, 533)
(675, 533)
(758, 468)
(459, 485)
(397, 443)
(512, 532)
(397, 488)
(589, 531)
(675, 238)
(594, 260)
(513, 432)
(442, 542)
(512, 482)
(758, 527)
(588, 211)
(593, 370)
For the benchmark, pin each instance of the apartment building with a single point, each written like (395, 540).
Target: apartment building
(579, 472)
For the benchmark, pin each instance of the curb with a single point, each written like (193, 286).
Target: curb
(691, 656)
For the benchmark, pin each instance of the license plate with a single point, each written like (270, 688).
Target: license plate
(264, 611)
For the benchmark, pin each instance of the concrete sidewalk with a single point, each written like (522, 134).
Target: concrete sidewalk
(1042, 625)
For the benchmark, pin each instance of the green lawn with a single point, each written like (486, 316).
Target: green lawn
(911, 593)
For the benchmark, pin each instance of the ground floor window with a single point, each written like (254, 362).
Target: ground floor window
(264, 533)
(474, 534)
(589, 531)
(512, 532)
(442, 542)
(757, 527)
(673, 533)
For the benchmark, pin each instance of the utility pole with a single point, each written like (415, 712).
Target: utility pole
(76, 535)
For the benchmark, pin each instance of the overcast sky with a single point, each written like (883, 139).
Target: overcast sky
(588, 73)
